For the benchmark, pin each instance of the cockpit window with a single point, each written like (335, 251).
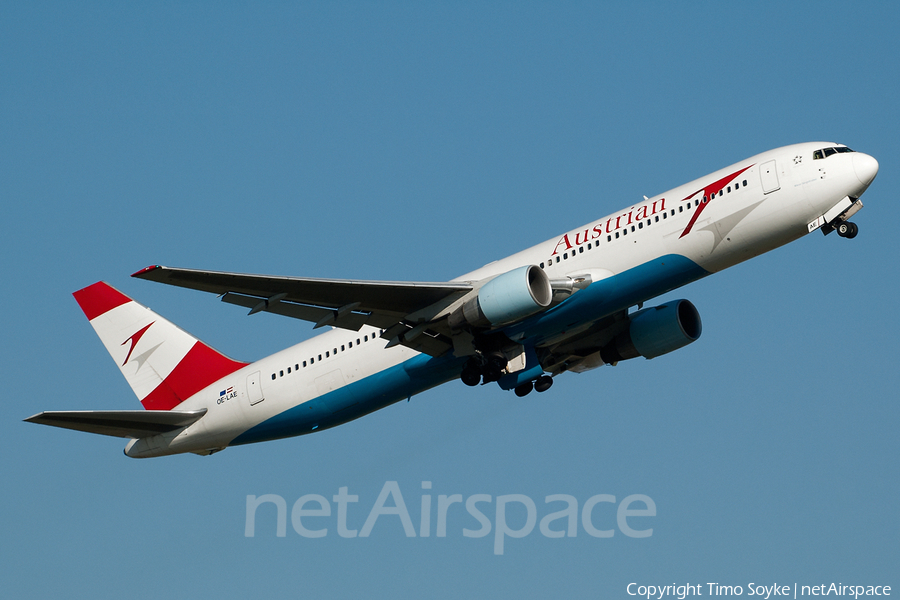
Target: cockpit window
(826, 152)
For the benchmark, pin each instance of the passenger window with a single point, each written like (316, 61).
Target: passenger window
(745, 183)
(281, 373)
(617, 235)
(273, 376)
(657, 218)
(565, 256)
(304, 364)
(320, 358)
(542, 265)
(640, 226)
(289, 370)
(680, 209)
(609, 238)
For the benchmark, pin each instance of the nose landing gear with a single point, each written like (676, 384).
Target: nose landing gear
(847, 230)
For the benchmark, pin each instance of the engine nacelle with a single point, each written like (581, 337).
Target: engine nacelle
(656, 331)
(506, 299)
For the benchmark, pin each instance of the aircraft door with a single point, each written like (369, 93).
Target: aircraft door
(769, 177)
(254, 389)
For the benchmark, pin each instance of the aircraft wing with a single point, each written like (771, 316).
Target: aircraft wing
(398, 307)
(119, 423)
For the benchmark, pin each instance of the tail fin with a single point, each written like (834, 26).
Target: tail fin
(163, 364)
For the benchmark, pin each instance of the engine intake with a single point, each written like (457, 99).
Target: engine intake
(505, 299)
(656, 331)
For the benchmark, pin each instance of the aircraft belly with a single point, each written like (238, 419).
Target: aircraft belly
(356, 399)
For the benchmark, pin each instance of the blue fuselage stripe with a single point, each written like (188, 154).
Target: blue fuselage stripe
(598, 300)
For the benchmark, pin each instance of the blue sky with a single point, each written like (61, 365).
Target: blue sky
(401, 141)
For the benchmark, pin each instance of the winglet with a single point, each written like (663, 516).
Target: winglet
(146, 270)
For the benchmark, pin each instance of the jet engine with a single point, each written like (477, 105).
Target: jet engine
(505, 299)
(655, 331)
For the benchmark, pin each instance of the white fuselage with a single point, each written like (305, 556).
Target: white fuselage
(708, 224)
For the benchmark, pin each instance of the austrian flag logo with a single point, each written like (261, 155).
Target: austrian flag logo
(226, 395)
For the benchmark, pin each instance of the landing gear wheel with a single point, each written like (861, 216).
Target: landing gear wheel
(524, 389)
(492, 373)
(470, 377)
(847, 230)
(543, 383)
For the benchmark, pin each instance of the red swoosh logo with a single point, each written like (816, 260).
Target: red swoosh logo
(708, 192)
(134, 340)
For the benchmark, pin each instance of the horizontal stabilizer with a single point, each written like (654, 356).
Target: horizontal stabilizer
(119, 423)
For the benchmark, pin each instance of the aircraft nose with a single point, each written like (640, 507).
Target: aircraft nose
(865, 166)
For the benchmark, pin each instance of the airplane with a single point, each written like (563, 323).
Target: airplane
(572, 303)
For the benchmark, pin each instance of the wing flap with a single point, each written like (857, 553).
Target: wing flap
(119, 423)
(321, 316)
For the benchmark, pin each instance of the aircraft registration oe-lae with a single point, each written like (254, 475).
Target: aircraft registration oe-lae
(572, 303)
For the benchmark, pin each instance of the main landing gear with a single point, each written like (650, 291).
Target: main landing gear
(541, 384)
(489, 367)
(846, 229)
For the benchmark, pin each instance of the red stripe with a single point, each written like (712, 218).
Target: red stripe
(200, 367)
(99, 299)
